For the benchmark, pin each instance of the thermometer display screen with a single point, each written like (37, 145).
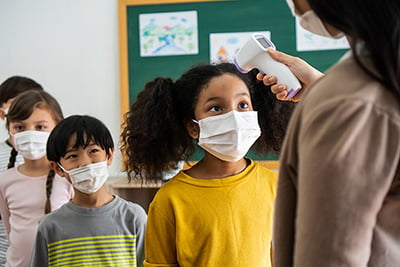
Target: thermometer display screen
(264, 42)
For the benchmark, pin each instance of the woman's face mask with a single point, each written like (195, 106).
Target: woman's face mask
(311, 22)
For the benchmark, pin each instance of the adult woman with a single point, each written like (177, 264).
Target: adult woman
(338, 194)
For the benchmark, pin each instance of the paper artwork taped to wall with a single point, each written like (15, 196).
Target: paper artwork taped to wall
(307, 41)
(168, 33)
(223, 46)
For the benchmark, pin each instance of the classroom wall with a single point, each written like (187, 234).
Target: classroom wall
(71, 48)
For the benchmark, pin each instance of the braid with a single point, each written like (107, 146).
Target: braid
(13, 157)
(49, 186)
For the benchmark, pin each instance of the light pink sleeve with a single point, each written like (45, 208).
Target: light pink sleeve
(4, 211)
(61, 192)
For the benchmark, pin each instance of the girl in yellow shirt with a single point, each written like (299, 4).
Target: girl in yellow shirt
(218, 212)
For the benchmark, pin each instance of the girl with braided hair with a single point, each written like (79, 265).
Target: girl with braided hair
(31, 189)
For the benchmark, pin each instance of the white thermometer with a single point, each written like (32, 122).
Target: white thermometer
(253, 54)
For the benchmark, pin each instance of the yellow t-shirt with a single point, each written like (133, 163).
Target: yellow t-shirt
(216, 222)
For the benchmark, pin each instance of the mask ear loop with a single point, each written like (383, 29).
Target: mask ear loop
(62, 168)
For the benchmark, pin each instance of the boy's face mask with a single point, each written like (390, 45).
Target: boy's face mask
(311, 22)
(229, 136)
(31, 144)
(90, 178)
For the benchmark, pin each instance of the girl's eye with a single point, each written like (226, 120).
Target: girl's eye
(18, 128)
(40, 127)
(243, 105)
(215, 108)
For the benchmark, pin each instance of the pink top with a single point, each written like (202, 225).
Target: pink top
(22, 201)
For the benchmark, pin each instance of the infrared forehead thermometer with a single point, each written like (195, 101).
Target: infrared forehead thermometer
(253, 54)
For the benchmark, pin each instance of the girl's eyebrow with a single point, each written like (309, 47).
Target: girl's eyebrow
(212, 99)
(236, 96)
(23, 121)
(42, 121)
(243, 94)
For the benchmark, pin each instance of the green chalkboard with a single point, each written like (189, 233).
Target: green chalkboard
(216, 17)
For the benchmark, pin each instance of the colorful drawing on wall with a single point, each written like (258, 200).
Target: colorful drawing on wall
(169, 33)
(307, 41)
(223, 46)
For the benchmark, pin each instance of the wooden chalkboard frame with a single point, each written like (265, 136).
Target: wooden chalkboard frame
(123, 43)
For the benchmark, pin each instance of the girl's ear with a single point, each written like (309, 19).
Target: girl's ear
(110, 156)
(57, 169)
(193, 129)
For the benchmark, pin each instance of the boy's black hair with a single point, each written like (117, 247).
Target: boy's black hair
(86, 128)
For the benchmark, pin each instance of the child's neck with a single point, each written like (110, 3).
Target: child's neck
(95, 200)
(212, 168)
(34, 168)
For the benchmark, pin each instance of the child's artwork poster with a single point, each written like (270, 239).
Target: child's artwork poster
(223, 46)
(168, 33)
(307, 41)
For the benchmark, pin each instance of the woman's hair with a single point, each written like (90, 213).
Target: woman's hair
(16, 85)
(86, 129)
(373, 24)
(21, 109)
(154, 138)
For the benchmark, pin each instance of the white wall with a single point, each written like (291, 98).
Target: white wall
(71, 48)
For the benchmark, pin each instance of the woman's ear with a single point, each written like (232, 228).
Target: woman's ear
(193, 129)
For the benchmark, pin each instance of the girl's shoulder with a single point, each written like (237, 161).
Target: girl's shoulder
(267, 168)
(266, 175)
(10, 175)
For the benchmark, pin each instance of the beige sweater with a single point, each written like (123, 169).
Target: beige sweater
(337, 203)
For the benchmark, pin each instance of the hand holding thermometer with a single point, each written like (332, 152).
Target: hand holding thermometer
(253, 54)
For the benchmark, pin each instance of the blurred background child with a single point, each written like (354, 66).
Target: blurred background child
(9, 89)
(31, 189)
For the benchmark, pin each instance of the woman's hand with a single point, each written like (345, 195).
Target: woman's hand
(303, 71)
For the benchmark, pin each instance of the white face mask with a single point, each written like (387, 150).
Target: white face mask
(31, 144)
(311, 22)
(88, 179)
(229, 136)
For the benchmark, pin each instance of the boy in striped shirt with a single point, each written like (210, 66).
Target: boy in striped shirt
(95, 228)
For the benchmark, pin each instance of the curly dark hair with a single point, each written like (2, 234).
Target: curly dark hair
(273, 116)
(154, 138)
